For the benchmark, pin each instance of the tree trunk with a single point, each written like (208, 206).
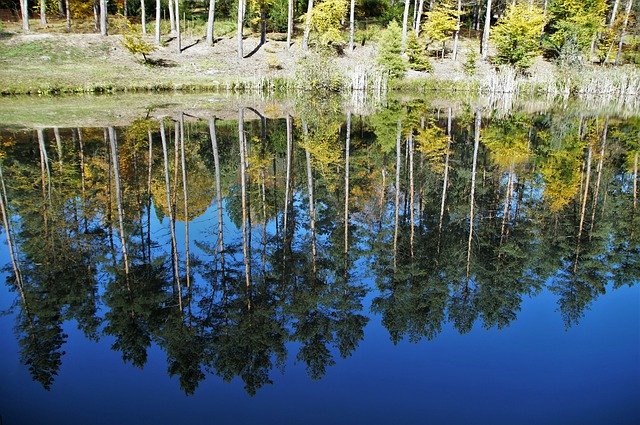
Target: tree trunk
(103, 17)
(124, 9)
(239, 29)
(485, 33)
(143, 17)
(68, 15)
(289, 23)
(411, 194)
(635, 181)
(178, 31)
(43, 16)
(352, 24)
(405, 23)
(96, 15)
(346, 184)
(445, 180)
(473, 188)
(287, 190)
(24, 11)
(158, 16)
(116, 174)
(172, 17)
(416, 25)
(614, 12)
(307, 26)
(210, 21)
(186, 202)
(457, 34)
(586, 192)
(397, 198)
(216, 165)
(263, 24)
(44, 165)
(243, 185)
(624, 30)
(599, 171)
(149, 175)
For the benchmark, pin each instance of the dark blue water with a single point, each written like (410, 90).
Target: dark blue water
(555, 342)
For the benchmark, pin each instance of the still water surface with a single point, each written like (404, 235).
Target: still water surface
(411, 265)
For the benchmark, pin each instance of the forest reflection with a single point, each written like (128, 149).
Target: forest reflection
(223, 241)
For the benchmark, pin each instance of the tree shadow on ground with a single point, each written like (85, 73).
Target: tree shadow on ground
(161, 63)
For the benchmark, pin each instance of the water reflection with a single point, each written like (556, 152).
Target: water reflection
(229, 243)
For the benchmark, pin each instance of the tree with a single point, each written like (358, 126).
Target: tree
(390, 54)
(485, 33)
(239, 29)
(416, 52)
(517, 35)
(327, 19)
(307, 25)
(441, 24)
(43, 15)
(103, 17)
(24, 11)
(158, 13)
(212, 12)
(352, 25)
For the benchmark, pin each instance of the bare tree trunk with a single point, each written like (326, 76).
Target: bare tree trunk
(473, 188)
(116, 174)
(178, 30)
(352, 24)
(174, 245)
(96, 15)
(124, 9)
(43, 15)
(287, 190)
(405, 23)
(599, 178)
(411, 194)
(586, 192)
(24, 11)
(614, 12)
(624, 30)
(210, 21)
(68, 15)
(158, 17)
(239, 29)
(44, 164)
(243, 184)
(103, 17)
(445, 180)
(346, 184)
(312, 207)
(149, 175)
(186, 201)
(485, 33)
(216, 164)
(289, 23)
(307, 26)
(416, 25)
(507, 203)
(143, 17)
(635, 181)
(172, 16)
(457, 34)
(397, 199)
(56, 133)
(263, 24)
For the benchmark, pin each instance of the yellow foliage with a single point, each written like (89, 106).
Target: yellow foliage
(432, 143)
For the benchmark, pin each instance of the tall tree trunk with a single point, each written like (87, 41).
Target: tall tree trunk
(624, 30)
(445, 180)
(416, 24)
(172, 17)
(44, 165)
(158, 16)
(124, 9)
(405, 23)
(143, 17)
(186, 202)
(116, 174)
(346, 183)
(240, 24)
(473, 188)
(43, 15)
(599, 175)
(210, 21)
(96, 15)
(307, 25)
(216, 164)
(397, 198)
(149, 196)
(287, 190)
(68, 15)
(24, 11)
(172, 227)
(485, 33)
(312, 205)
(103, 17)
(614, 12)
(289, 23)
(457, 34)
(411, 194)
(178, 30)
(352, 24)
(263, 24)
(586, 192)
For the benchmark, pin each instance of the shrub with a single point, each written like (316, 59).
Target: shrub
(318, 71)
(135, 44)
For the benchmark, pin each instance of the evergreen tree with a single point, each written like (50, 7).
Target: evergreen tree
(416, 51)
(390, 54)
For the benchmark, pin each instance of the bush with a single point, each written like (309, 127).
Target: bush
(517, 35)
(133, 42)
(390, 54)
(318, 71)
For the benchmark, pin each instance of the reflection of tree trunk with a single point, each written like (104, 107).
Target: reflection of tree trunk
(287, 190)
(473, 188)
(312, 208)
(174, 247)
(445, 181)
(8, 231)
(599, 178)
(82, 167)
(397, 199)
(346, 184)
(56, 133)
(116, 174)
(44, 165)
(186, 203)
(150, 167)
(216, 164)
(507, 203)
(635, 181)
(586, 192)
(109, 206)
(411, 193)
(243, 182)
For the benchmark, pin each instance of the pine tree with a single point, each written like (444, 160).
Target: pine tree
(416, 51)
(390, 55)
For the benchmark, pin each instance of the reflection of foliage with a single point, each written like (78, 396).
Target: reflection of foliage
(432, 142)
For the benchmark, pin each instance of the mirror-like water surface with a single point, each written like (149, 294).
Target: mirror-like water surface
(412, 265)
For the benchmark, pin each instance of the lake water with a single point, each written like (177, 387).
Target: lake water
(419, 263)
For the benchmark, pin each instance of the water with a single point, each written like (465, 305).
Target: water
(507, 295)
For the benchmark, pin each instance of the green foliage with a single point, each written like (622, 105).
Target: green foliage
(327, 18)
(416, 51)
(470, 64)
(441, 23)
(277, 15)
(574, 21)
(135, 44)
(517, 35)
(390, 54)
(318, 71)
